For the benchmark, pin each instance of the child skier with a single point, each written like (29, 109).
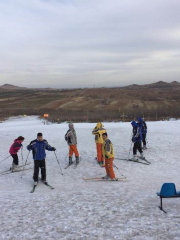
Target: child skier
(143, 126)
(136, 139)
(71, 139)
(38, 147)
(14, 150)
(98, 132)
(108, 154)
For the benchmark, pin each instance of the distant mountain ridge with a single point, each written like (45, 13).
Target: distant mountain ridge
(159, 84)
(11, 87)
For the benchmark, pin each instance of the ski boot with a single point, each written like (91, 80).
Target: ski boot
(15, 168)
(101, 164)
(144, 147)
(70, 161)
(77, 160)
(106, 177)
(114, 179)
(44, 181)
(135, 158)
(142, 156)
(35, 183)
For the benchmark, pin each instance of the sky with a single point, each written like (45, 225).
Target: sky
(87, 43)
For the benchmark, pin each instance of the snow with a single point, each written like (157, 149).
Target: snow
(77, 209)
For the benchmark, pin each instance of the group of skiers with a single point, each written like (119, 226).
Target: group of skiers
(104, 147)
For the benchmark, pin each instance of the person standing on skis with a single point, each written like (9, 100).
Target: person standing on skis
(14, 150)
(71, 139)
(98, 131)
(38, 147)
(136, 139)
(143, 126)
(108, 154)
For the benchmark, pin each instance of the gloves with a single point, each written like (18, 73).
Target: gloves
(53, 149)
(133, 139)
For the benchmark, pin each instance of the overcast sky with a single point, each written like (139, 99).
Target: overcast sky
(79, 43)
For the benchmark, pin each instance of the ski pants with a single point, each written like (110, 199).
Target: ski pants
(137, 146)
(99, 152)
(109, 167)
(144, 139)
(39, 164)
(73, 149)
(15, 159)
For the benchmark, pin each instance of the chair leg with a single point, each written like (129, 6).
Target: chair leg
(160, 207)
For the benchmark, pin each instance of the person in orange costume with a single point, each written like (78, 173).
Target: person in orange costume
(98, 131)
(108, 154)
(71, 139)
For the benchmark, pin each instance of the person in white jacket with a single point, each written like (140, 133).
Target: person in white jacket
(71, 139)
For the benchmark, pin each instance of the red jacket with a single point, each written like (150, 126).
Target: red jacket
(15, 146)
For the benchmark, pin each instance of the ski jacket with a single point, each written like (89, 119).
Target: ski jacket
(107, 149)
(98, 132)
(71, 137)
(143, 125)
(137, 133)
(15, 146)
(38, 148)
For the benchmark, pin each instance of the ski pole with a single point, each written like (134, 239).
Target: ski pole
(66, 157)
(25, 164)
(129, 152)
(5, 158)
(118, 170)
(22, 155)
(58, 163)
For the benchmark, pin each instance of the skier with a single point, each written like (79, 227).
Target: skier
(38, 147)
(136, 139)
(71, 139)
(143, 126)
(98, 132)
(108, 154)
(14, 150)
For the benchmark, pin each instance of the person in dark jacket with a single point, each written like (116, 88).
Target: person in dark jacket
(136, 139)
(38, 147)
(14, 150)
(143, 126)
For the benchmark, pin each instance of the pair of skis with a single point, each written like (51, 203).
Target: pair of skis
(19, 169)
(73, 163)
(100, 179)
(140, 160)
(45, 183)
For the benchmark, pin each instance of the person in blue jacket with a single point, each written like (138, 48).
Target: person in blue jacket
(38, 147)
(136, 139)
(143, 126)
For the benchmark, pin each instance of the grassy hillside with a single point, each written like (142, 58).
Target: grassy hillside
(153, 101)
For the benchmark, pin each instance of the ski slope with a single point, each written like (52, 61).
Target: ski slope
(80, 210)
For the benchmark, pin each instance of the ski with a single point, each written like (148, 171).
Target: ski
(69, 165)
(144, 159)
(127, 160)
(105, 180)
(75, 165)
(9, 171)
(33, 189)
(48, 185)
(17, 167)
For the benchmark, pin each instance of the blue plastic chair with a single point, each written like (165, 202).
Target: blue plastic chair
(168, 190)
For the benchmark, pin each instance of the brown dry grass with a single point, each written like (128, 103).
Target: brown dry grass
(93, 104)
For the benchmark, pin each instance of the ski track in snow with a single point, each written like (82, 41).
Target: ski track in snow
(77, 209)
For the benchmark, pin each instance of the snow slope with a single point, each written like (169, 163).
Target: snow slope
(76, 209)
